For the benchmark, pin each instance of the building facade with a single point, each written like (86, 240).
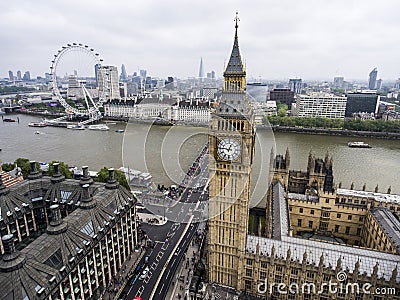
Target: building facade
(284, 96)
(196, 110)
(295, 85)
(63, 238)
(372, 79)
(108, 82)
(362, 102)
(320, 105)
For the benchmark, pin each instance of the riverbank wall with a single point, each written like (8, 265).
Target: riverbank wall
(333, 132)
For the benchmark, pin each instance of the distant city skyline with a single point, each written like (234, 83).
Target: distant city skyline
(309, 39)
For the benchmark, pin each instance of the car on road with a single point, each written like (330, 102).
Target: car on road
(146, 259)
(144, 273)
(133, 279)
(137, 269)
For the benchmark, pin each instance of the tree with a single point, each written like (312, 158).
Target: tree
(282, 110)
(63, 168)
(25, 166)
(102, 176)
(6, 167)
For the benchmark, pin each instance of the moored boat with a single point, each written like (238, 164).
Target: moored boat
(102, 127)
(37, 124)
(358, 145)
(76, 127)
(8, 120)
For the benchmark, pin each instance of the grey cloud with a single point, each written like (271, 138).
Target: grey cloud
(278, 39)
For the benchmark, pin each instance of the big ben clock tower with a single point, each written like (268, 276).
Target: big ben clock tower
(231, 150)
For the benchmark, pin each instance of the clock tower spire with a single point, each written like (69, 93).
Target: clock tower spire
(235, 74)
(231, 150)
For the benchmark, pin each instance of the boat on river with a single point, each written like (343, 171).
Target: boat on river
(76, 127)
(358, 145)
(37, 124)
(8, 120)
(102, 127)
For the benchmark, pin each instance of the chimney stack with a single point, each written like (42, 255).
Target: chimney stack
(85, 179)
(57, 176)
(57, 225)
(11, 260)
(8, 244)
(34, 174)
(87, 201)
(112, 183)
(56, 168)
(55, 215)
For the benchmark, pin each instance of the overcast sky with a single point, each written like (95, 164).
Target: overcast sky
(278, 39)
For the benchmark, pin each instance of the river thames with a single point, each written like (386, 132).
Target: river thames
(167, 151)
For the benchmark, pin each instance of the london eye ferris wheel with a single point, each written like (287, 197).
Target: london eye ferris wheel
(78, 80)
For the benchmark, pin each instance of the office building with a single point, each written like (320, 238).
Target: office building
(397, 84)
(11, 75)
(282, 95)
(362, 102)
(19, 76)
(96, 73)
(108, 84)
(27, 76)
(372, 79)
(320, 105)
(143, 74)
(379, 84)
(64, 238)
(123, 77)
(338, 82)
(295, 85)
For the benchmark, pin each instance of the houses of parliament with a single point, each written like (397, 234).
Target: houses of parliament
(307, 231)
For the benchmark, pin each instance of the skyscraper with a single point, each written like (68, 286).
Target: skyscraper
(295, 85)
(338, 82)
(379, 84)
(27, 76)
(123, 77)
(19, 76)
(96, 73)
(107, 77)
(201, 69)
(143, 73)
(372, 79)
(11, 75)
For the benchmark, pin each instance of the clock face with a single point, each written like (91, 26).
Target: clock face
(228, 149)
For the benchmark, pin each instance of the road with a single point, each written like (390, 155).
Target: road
(173, 238)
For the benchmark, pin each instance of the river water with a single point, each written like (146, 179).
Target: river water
(167, 151)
